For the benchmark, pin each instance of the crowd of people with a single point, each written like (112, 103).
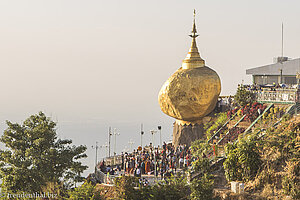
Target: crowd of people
(271, 87)
(167, 160)
(162, 161)
(157, 161)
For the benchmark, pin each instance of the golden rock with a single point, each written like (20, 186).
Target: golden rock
(192, 91)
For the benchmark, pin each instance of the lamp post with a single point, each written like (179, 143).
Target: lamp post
(142, 133)
(109, 136)
(115, 144)
(96, 149)
(152, 133)
(160, 142)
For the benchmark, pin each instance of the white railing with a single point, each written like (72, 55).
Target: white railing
(278, 96)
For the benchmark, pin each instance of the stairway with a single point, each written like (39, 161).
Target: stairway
(241, 119)
(258, 118)
(224, 125)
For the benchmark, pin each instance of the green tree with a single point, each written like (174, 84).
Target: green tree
(175, 188)
(125, 187)
(202, 188)
(243, 159)
(202, 185)
(244, 96)
(34, 156)
(86, 191)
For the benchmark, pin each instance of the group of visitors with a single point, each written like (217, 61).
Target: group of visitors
(271, 87)
(158, 161)
(225, 103)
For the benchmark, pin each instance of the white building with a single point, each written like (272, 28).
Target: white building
(283, 70)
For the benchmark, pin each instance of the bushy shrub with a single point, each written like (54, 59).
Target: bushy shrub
(214, 125)
(200, 147)
(85, 191)
(251, 111)
(291, 181)
(202, 188)
(201, 165)
(244, 96)
(200, 150)
(243, 159)
(59, 190)
(174, 188)
(124, 187)
(286, 117)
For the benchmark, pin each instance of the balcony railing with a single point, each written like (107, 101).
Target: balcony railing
(287, 96)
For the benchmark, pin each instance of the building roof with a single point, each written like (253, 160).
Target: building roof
(289, 67)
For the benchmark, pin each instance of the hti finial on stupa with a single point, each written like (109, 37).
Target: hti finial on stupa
(193, 58)
(194, 31)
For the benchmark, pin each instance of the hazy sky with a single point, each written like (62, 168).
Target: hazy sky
(93, 64)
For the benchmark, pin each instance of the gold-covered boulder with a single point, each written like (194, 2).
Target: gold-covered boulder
(192, 91)
(190, 94)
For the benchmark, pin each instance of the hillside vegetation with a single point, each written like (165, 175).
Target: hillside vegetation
(268, 162)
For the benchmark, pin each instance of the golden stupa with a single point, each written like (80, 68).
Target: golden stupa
(192, 91)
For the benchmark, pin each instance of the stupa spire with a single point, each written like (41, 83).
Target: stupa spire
(194, 31)
(193, 59)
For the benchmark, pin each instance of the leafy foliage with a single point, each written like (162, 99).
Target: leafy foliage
(85, 191)
(214, 125)
(244, 96)
(57, 190)
(200, 150)
(173, 188)
(34, 156)
(281, 152)
(243, 159)
(291, 182)
(269, 164)
(202, 185)
(202, 188)
(125, 187)
(199, 147)
(251, 111)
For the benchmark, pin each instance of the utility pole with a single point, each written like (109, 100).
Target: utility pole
(109, 136)
(281, 42)
(152, 133)
(96, 160)
(142, 133)
(160, 142)
(115, 144)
